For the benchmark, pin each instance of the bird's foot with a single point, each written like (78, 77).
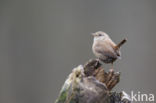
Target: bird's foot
(97, 62)
(111, 70)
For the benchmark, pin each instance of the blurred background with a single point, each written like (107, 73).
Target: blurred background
(41, 41)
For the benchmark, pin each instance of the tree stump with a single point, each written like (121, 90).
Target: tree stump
(91, 84)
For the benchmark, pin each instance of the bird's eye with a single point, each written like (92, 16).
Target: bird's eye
(100, 34)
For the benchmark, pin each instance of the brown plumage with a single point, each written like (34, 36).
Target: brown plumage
(105, 49)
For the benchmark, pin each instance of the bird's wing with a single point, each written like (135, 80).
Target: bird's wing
(106, 50)
(108, 41)
(112, 45)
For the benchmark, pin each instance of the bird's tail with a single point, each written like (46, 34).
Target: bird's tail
(121, 43)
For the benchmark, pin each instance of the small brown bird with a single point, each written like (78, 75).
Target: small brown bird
(105, 49)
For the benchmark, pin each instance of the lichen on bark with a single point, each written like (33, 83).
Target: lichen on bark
(90, 83)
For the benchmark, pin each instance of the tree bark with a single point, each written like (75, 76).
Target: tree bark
(91, 84)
